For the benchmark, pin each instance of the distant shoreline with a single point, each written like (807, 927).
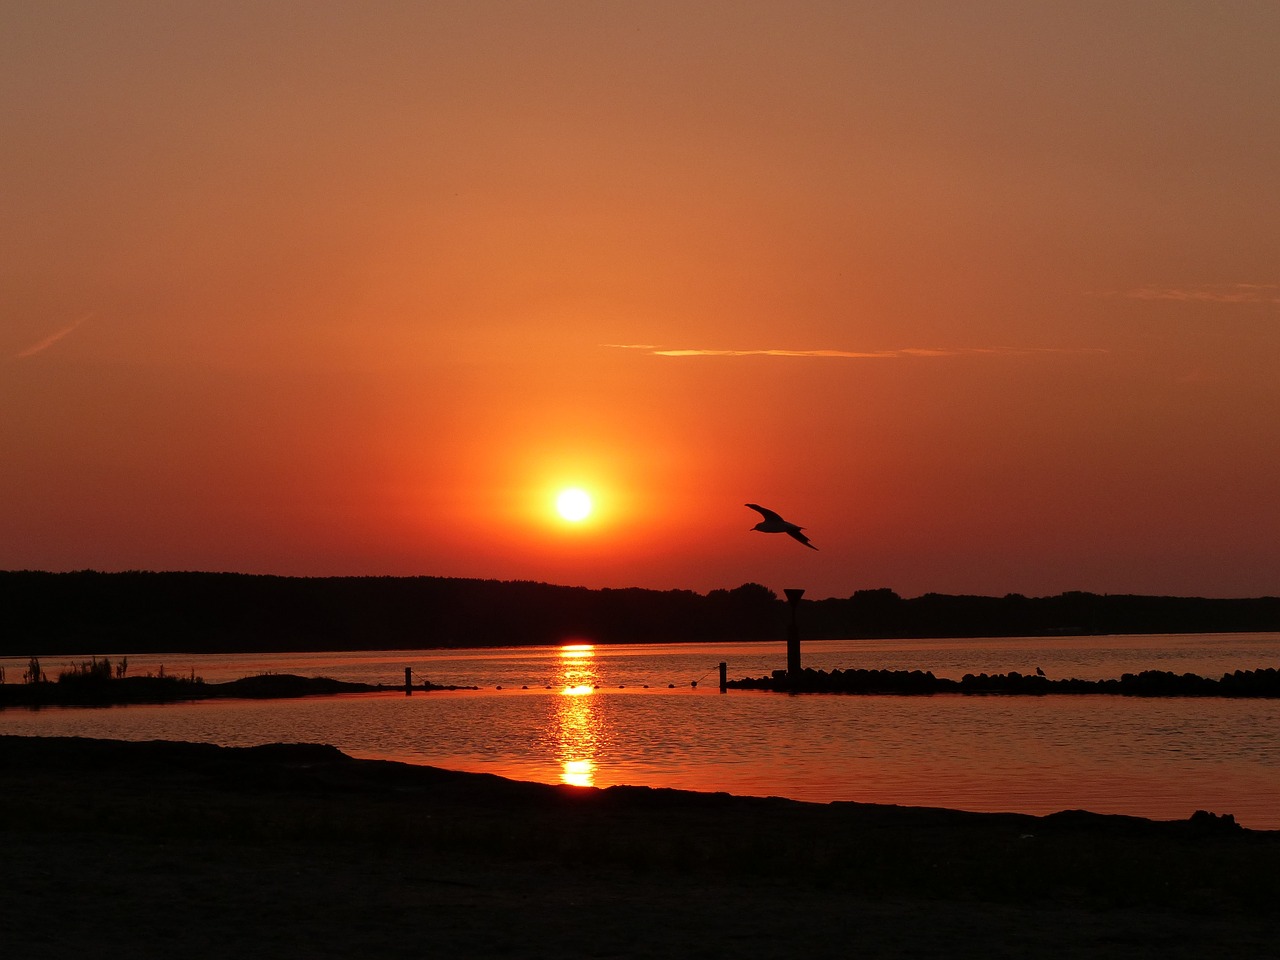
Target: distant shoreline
(93, 690)
(1262, 683)
(90, 690)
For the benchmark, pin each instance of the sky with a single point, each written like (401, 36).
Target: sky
(986, 296)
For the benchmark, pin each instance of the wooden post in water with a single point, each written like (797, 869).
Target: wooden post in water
(724, 679)
(793, 635)
(408, 681)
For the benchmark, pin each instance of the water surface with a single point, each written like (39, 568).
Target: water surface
(608, 715)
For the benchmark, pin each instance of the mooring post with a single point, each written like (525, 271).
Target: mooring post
(724, 676)
(408, 681)
(793, 635)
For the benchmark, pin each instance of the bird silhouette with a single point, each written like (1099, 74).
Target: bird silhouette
(772, 523)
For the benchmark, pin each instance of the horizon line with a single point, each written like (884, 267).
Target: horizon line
(567, 586)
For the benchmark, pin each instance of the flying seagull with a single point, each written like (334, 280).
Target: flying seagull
(772, 523)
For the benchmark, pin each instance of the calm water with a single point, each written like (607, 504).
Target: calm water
(630, 714)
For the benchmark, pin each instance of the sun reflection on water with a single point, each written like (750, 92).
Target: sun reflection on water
(579, 773)
(577, 665)
(579, 725)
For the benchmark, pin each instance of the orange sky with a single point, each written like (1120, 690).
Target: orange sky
(987, 296)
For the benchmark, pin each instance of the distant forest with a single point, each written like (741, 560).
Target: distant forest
(141, 612)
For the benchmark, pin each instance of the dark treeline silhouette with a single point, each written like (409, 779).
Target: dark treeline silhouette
(143, 612)
(882, 613)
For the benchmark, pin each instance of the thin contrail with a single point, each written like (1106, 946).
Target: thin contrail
(910, 352)
(53, 338)
(1224, 293)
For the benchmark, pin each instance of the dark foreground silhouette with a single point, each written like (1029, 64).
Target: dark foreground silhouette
(133, 849)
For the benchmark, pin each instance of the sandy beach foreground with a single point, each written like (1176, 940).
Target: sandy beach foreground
(117, 849)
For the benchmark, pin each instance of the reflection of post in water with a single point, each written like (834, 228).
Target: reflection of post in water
(578, 725)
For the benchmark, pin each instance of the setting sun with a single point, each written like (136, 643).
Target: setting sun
(579, 283)
(573, 504)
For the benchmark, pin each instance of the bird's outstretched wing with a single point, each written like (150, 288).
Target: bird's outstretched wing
(772, 523)
(801, 537)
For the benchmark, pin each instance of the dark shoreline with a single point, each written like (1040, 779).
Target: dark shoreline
(1263, 683)
(95, 689)
(321, 854)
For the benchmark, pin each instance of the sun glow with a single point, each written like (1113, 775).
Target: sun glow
(573, 504)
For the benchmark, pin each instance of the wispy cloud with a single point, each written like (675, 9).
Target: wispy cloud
(50, 340)
(1208, 293)
(905, 352)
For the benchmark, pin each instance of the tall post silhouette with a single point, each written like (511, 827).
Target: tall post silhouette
(793, 635)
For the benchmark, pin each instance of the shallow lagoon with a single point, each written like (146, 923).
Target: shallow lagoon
(604, 715)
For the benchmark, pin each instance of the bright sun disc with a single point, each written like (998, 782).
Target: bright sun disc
(573, 504)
